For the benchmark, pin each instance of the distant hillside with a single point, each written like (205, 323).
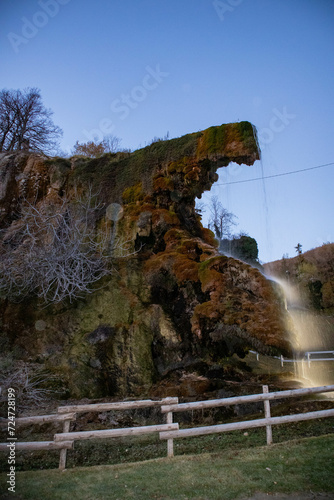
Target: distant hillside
(313, 271)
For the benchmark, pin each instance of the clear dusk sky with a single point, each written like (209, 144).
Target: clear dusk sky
(141, 68)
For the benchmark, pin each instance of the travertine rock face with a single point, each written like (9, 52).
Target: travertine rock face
(172, 305)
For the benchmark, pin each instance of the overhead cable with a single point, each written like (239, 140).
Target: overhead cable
(275, 175)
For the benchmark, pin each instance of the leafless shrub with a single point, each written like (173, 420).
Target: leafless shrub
(28, 386)
(56, 252)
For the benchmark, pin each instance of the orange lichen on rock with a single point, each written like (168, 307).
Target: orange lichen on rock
(161, 183)
(185, 269)
(174, 301)
(165, 217)
(240, 295)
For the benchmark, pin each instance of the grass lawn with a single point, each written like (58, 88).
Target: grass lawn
(297, 466)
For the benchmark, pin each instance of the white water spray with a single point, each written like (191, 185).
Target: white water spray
(312, 340)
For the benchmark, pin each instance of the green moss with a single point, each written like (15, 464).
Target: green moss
(133, 194)
(208, 143)
(249, 136)
(112, 174)
(232, 138)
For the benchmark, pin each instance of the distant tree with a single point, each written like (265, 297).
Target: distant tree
(111, 143)
(92, 149)
(299, 249)
(242, 246)
(200, 207)
(221, 220)
(284, 264)
(25, 124)
(246, 248)
(315, 290)
(328, 294)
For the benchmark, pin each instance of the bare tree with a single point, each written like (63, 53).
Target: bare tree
(56, 252)
(221, 219)
(111, 143)
(92, 149)
(25, 123)
(200, 207)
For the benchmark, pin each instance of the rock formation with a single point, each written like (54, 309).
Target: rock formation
(173, 304)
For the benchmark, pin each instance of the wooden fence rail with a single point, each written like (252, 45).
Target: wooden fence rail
(216, 429)
(124, 405)
(215, 403)
(65, 441)
(267, 422)
(39, 445)
(40, 419)
(169, 431)
(105, 433)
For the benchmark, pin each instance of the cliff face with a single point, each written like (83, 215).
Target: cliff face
(173, 303)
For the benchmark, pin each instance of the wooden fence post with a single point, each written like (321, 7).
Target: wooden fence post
(170, 442)
(267, 415)
(63, 451)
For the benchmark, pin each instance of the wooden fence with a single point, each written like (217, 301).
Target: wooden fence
(66, 414)
(267, 422)
(169, 431)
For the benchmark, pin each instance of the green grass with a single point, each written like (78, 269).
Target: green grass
(302, 465)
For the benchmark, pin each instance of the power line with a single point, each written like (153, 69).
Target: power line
(276, 175)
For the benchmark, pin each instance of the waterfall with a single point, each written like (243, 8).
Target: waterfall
(311, 337)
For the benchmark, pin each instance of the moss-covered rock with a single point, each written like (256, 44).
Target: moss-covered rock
(172, 303)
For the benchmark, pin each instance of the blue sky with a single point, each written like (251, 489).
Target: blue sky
(140, 69)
